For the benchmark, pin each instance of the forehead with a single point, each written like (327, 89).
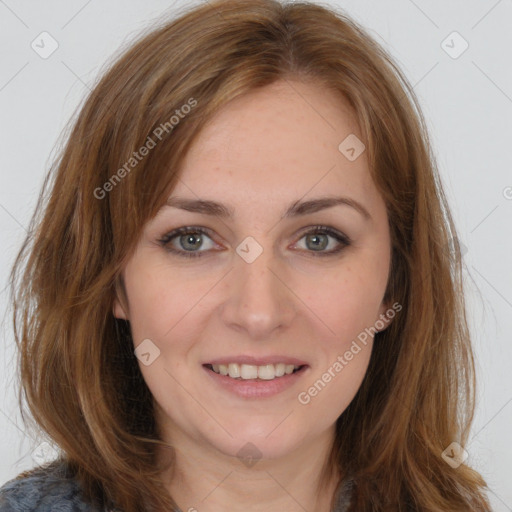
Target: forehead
(276, 142)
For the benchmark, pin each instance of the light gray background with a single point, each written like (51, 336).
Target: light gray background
(467, 102)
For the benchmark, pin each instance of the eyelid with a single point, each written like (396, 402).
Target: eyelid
(325, 230)
(166, 239)
(340, 237)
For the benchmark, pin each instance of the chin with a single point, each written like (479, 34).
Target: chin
(256, 443)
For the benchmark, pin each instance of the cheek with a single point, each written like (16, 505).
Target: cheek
(352, 368)
(160, 300)
(347, 300)
(331, 388)
(349, 305)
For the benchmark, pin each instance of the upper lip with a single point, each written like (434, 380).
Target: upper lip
(257, 361)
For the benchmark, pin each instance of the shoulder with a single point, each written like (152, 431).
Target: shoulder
(47, 489)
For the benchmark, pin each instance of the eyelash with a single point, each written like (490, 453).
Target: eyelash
(324, 230)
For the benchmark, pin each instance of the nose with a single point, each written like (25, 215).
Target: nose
(259, 299)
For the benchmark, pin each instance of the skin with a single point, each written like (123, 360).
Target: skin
(262, 152)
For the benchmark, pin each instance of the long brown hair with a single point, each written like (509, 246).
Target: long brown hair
(79, 377)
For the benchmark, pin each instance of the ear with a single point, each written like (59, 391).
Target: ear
(387, 312)
(119, 309)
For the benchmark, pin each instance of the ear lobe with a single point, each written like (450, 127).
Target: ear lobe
(385, 319)
(118, 310)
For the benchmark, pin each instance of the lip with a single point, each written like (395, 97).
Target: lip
(256, 388)
(257, 361)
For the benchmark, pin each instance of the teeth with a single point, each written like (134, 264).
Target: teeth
(249, 371)
(234, 371)
(267, 372)
(246, 371)
(289, 368)
(280, 369)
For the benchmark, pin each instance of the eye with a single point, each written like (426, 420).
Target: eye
(317, 240)
(187, 241)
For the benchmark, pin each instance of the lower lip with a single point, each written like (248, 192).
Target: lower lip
(256, 388)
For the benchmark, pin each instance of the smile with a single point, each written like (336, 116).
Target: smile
(249, 371)
(249, 381)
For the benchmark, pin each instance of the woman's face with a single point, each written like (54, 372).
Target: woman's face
(270, 276)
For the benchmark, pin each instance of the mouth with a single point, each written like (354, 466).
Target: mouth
(255, 382)
(266, 372)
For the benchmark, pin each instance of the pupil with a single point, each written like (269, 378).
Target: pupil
(321, 245)
(194, 240)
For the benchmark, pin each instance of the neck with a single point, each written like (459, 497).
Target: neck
(207, 480)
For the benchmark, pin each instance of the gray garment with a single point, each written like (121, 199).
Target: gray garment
(52, 489)
(49, 489)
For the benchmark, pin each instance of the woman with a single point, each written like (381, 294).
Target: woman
(244, 287)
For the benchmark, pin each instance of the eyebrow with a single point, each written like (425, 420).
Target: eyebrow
(296, 209)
